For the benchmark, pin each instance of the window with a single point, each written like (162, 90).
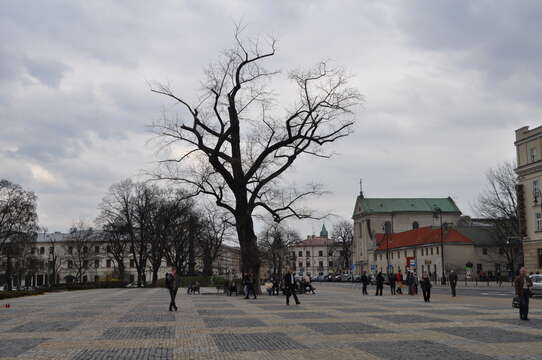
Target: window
(478, 268)
(108, 248)
(406, 253)
(307, 253)
(536, 191)
(320, 264)
(532, 154)
(51, 250)
(70, 264)
(415, 225)
(387, 227)
(42, 250)
(108, 263)
(392, 255)
(308, 264)
(96, 263)
(484, 251)
(300, 254)
(132, 263)
(96, 249)
(320, 253)
(380, 256)
(538, 221)
(85, 264)
(437, 250)
(85, 249)
(300, 264)
(96, 278)
(539, 253)
(33, 250)
(431, 251)
(70, 250)
(331, 264)
(374, 257)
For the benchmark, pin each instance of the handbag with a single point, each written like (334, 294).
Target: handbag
(515, 302)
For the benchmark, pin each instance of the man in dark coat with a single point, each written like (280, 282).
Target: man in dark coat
(523, 284)
(289, 287)
(248, 281)
(452, 278)
(426, 287)
(379, 283)
(364, 283)
(391, 279)
(172, 284)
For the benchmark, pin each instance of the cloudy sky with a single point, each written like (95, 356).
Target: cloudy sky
(445, 83)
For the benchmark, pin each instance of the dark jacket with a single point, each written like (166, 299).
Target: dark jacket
(519, 283)
(289, 281)
(380, 279)
(172, 281)
(452, 278)
(425, 283)
(391, 278)
(364, 279)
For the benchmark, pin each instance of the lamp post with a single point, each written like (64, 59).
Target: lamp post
(438, 213)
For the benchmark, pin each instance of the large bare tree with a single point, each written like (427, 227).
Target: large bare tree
(18, 219)
(343, 236)
(236, 143)
(216, 228)
(498, 202)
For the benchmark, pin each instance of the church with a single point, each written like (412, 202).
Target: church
(394, 215)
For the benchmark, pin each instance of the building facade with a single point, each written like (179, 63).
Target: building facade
(316, 255)
(394, 215)
(529, 170)
(471, 251)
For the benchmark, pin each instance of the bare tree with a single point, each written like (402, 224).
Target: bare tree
(238, 143)
(343, 235)
(116, 237)
(179, 235)
(18, 217)
(274, 241)
(498, 202)
(54, 263)
(216, 228)
(77, 248)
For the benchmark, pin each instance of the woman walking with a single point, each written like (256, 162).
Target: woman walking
(426, 287)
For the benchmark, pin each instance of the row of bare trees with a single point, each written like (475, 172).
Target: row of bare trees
(153, 224)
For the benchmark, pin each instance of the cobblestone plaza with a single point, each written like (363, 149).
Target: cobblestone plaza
(336, 323)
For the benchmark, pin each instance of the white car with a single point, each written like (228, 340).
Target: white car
(537, 284)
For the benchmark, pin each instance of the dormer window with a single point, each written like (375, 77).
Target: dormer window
(415, 225)
(532, 154)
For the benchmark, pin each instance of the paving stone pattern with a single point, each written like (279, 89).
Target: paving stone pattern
(335, 323)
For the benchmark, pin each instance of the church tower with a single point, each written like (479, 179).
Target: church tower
(323, 232)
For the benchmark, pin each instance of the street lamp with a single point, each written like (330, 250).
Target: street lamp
(438, 213)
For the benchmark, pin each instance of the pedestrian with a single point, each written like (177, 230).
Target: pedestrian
(249, 286)
(415, 283)
(399, 281)
(276, 285)
(391, 279)
(364, 283)
(499, 278)
(172, 284)
(452, 278)
(426, 287)
(379, 283)
(409, 282)
(289, 287)
(523, 284)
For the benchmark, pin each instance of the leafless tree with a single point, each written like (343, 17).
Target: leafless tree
(77, 248)
(498, 202)
(274, 241)
(54, 263)
(116, 237)
(237, 142)
(216, 228)
(343, 235)
(18, 217)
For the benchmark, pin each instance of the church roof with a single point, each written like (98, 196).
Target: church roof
(388, 205)
(418, 237)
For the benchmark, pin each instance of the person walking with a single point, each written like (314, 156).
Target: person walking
(364, 283)
(249, 284)
(289, 287)
(391, 279)
(172, 284)
(523, 284)
(426, 287)
(399, 282)
(379, 283)
(452, 278)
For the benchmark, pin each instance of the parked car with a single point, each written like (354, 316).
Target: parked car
(346, 277)
(357, 278)
(537, 284)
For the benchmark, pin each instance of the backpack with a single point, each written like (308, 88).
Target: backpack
(169, 280)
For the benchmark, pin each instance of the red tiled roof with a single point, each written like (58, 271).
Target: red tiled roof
(421, 236)
(316, 241)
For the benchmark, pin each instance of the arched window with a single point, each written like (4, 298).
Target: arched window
(387, 227)
(415, 225)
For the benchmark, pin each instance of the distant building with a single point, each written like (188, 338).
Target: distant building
(228, 262)
(394, 215)
(316, 255)
(529, 170)
(468, 250)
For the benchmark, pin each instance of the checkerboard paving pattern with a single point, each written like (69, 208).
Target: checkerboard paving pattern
(337, 322)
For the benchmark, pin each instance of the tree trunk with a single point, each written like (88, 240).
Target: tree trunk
(8, 267)
(155, 276)
(250, 259)
(122, 270)
(207, 265)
